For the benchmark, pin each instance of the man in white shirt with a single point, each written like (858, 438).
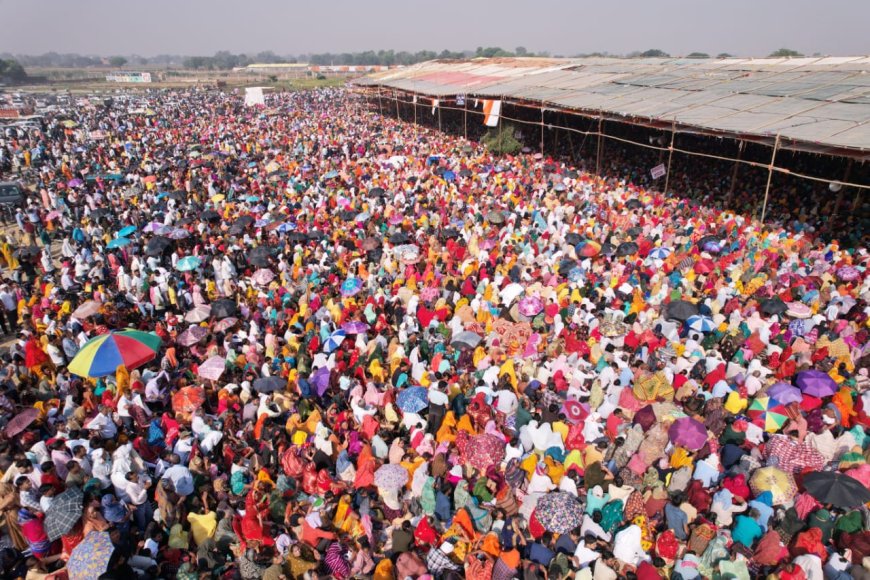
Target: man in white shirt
(180, 476)
(137, 492)
(103, 424)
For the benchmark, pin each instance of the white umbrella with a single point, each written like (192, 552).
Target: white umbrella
(510, 293)
(198, 314)
(213, 368)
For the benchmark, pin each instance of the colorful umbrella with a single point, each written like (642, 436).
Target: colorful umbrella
(798, 310)
(198, 314)
(816, 383)
(767, 413)
(660, 253)
(225, 324)
(188, 263)
(588, 249)
(848, 273)
(213, 368)
(575, 411)
(192, 335)
(102, 355)
(188, 399)
(21, 421)
(334, 341)
(530, 306)
(412, 399)
(701, 323)
(778, 482)
(263, 276)
(351, 286)
(90, 558)
(689, 433)
(559, 512)
(837, 489)
(391, 476)
(485, 450)
(355, 327)
(178, 234)
(792, 455)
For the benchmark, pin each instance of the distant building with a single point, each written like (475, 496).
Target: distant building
(128, 77)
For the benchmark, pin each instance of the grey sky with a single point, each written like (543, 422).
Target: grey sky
(201, 27)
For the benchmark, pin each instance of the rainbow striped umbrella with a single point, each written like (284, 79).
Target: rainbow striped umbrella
(103, 354)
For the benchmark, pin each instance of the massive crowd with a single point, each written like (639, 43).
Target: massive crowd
(309, 341)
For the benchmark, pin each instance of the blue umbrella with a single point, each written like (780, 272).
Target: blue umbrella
(413, 399)
(701, 323)
(334, 341)
(320, 380)
(351, 286)
(124, 232)
(90, 558)
(331, 175)
(188, 263)
(449, 176)
(252, 199)
(119, 243)
(660, 253)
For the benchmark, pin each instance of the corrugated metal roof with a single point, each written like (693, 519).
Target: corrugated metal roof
(819, 102)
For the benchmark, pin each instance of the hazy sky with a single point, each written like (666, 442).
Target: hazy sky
(201, 27)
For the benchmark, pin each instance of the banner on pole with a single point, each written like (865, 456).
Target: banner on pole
(658, 171)
(491, 111)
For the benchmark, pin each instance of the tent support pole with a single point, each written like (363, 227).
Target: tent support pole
(740, 147)
(380, 104)
(439, 116)
(670, 156)
(600, 145)
(542, 129)
(769, 178)
(840, 193)
(398, 113)
(465, 113)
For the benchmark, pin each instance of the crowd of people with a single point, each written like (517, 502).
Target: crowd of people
(309, 341)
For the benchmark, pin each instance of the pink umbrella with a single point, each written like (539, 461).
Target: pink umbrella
(688, 433)
(213, 368)
(87, 309)
(263, 276)
(192, 335)
(52, 215)
(530, 306)
(198, 314)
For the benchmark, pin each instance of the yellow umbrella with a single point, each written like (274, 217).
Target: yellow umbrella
(218, 197)
(773, 479)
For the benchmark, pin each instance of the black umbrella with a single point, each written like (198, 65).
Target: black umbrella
(633, 204)
(773, 307)
(347, 215)
(178, 195)
(297, 237)
(210, 215)
(399, 238)
(837, 489)
(607, 249)
(566, 265)
(374, 255)
(65, 512)
(99, 213)
(465, 173)
(157, 246)
(269, 384)
(449, 233)
(224, 308)
(377, 192)
(634, 232)
(27, 252)
(259, 257)
(680, 310)
(315, 235)
(244, 221)
(573, 239)
(495, 217)
(626, 249)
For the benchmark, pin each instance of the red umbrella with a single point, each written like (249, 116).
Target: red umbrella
(21, 421)
(188, 399)
(485, 450)
(704, 266)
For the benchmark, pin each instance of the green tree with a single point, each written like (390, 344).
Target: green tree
(117, 61)
(654, 53)
(12, 70)
(785, 52)
(501, 141)
(697, 55)
(724, 55)
(521, 51)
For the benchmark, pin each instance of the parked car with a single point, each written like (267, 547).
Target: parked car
(11, 193)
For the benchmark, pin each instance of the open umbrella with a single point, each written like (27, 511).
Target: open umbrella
(785, 393)
(689, 433)
(779, 483)
(837, 489)
(191, 335)
(351, 286)
(680, 310)
(661, 253)
(87, 309)
(704, 266)
(399, 238)
(334, 341)
(198, 313)
(119, 243)
(701, 323)
(530, 306)
(157, 246)
(391, 476)
(103, 354)
(495, 217)
(355, 327)
(65, 512)
(225, 324)
(767, 413)
(259, 257)
(485, 450)
(816, 383)
(412, 399)
(213, 368)
(210, 215)
(588, 249)
(848, 273)
(633, 203)
(269, 384)
(575, 411)
(224, 308)
(773, 307)
(466, 340)
(188, 399)
(798, 310)
(626, 249)
(21, 421)
(90, 558)
(188, 263)
(263, 276)
(320, 380)
(126, 231)
(559, 512)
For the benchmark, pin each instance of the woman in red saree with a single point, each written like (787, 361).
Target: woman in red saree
(256, 515)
